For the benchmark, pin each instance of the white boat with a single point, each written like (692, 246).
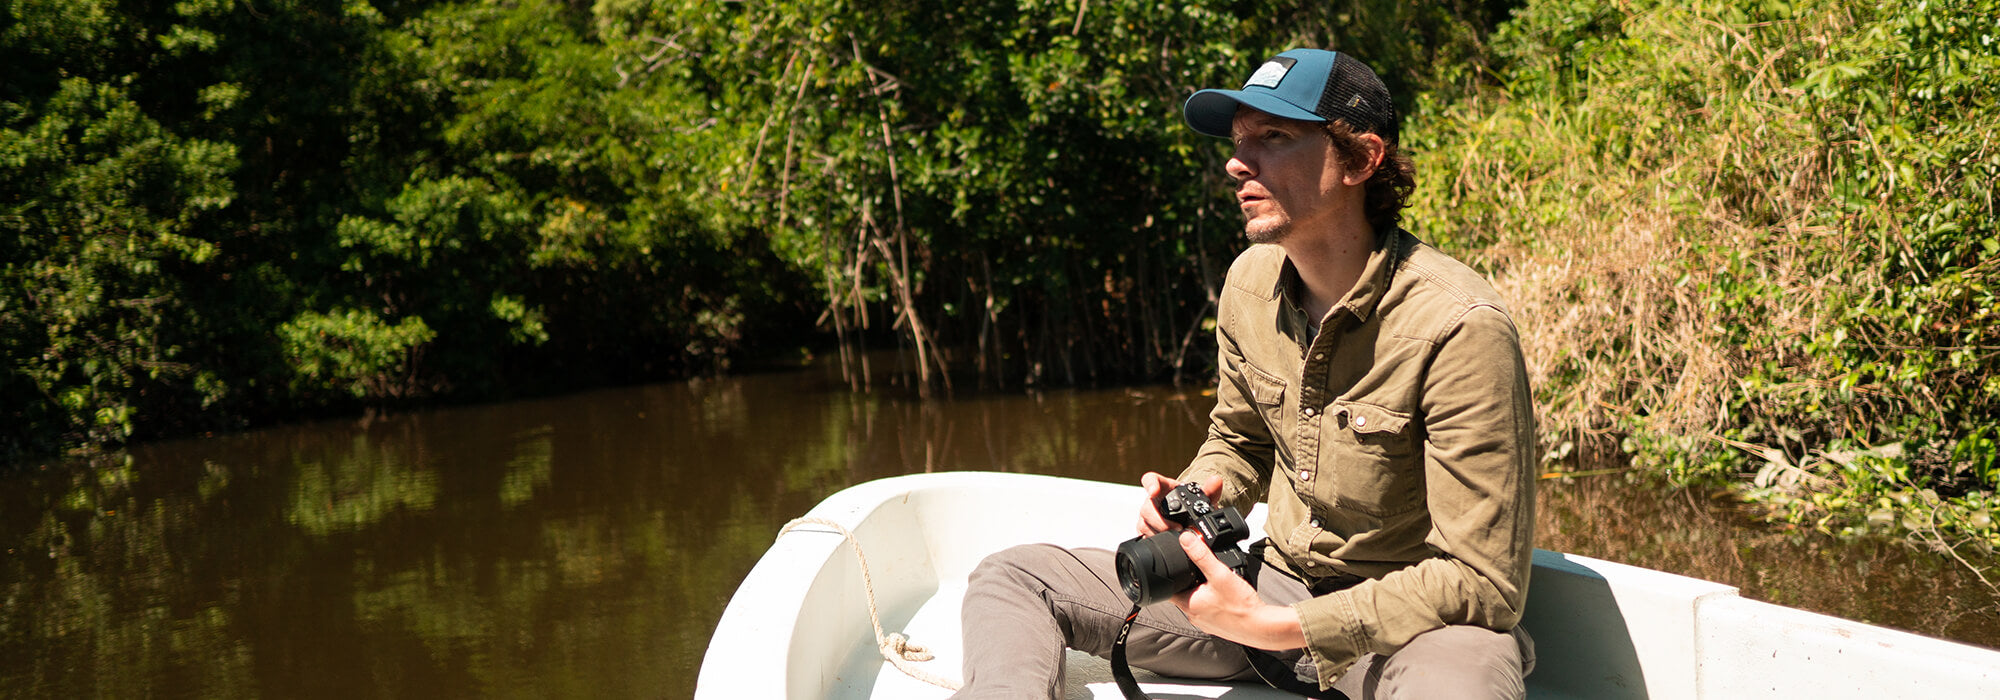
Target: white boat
(799, 627)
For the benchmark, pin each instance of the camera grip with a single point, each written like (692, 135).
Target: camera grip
(1241, 563)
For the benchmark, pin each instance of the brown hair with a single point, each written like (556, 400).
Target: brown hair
(1389, 188)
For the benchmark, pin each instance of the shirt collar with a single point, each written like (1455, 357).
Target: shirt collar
(1367, 293)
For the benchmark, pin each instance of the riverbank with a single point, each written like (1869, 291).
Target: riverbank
(1749, 244)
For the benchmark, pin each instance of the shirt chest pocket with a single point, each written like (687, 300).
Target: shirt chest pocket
(1371, 453)
(1267, 391)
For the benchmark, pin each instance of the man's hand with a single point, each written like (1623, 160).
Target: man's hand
(1150, 520)
(1228, 607)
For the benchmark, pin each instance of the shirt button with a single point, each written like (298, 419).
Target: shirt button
(1305, 475)
(1360, 421)
(1315, 522)
(1319, 356)
(1309, 411)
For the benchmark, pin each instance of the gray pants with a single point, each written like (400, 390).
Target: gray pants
(1025, 604)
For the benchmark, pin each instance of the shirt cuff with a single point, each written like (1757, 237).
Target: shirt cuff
(1335, 637)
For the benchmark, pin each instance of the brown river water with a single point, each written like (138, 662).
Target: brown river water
(584, 546)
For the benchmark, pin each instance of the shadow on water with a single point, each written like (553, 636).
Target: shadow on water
(584, 546)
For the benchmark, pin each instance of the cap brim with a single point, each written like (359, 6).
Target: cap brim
(1212, 112)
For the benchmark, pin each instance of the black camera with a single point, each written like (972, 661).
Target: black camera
(1154, 568)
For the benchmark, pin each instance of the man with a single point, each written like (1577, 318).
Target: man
(1371, 390)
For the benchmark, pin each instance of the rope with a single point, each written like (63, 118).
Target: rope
(896, 648)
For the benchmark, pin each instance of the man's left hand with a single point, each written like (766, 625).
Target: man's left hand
(1228, 607)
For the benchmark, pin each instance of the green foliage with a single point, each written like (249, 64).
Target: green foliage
(140, 210)
(1006, 184)
(1800, 297)
(352, 349)
(98, 203)
(213, 213)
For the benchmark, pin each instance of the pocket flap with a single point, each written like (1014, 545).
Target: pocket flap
(1264, 388)
(1366, 418)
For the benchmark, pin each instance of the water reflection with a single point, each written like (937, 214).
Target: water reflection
(584, 546)
(1640, 522)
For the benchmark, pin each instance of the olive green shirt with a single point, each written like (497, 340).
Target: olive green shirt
(1396, 446)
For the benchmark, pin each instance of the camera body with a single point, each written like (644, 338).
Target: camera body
(1154, 568)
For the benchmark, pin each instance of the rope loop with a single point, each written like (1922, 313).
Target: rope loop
(896, 647)
(901, 646)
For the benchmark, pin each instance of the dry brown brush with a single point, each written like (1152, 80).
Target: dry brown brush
(1749, 243)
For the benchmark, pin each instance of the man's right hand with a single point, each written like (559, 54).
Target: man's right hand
(1150, 519)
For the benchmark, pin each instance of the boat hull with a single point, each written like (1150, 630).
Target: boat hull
(798, 626)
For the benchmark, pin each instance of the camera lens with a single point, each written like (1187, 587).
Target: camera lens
(1154, 568)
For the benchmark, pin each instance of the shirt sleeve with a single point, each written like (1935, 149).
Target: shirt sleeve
(1479, 459)
(1239, 447)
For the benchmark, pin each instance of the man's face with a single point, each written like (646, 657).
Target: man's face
(1287, 173)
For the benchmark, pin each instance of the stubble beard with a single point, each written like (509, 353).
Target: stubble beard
(1266, 233)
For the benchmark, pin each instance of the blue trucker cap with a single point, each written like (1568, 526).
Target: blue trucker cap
(1306, 84)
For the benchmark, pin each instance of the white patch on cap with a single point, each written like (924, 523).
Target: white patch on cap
(1268, 75)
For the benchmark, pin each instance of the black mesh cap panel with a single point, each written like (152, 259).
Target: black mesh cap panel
(1355, 95)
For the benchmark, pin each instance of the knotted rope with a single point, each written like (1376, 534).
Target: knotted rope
(896, 648)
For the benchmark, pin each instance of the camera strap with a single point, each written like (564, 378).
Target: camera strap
(1280, 675)
(1120, 672)
(1274, 673)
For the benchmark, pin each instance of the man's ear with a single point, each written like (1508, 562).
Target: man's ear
(1373, 148)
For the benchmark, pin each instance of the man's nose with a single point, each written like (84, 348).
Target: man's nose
(1239, 168)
